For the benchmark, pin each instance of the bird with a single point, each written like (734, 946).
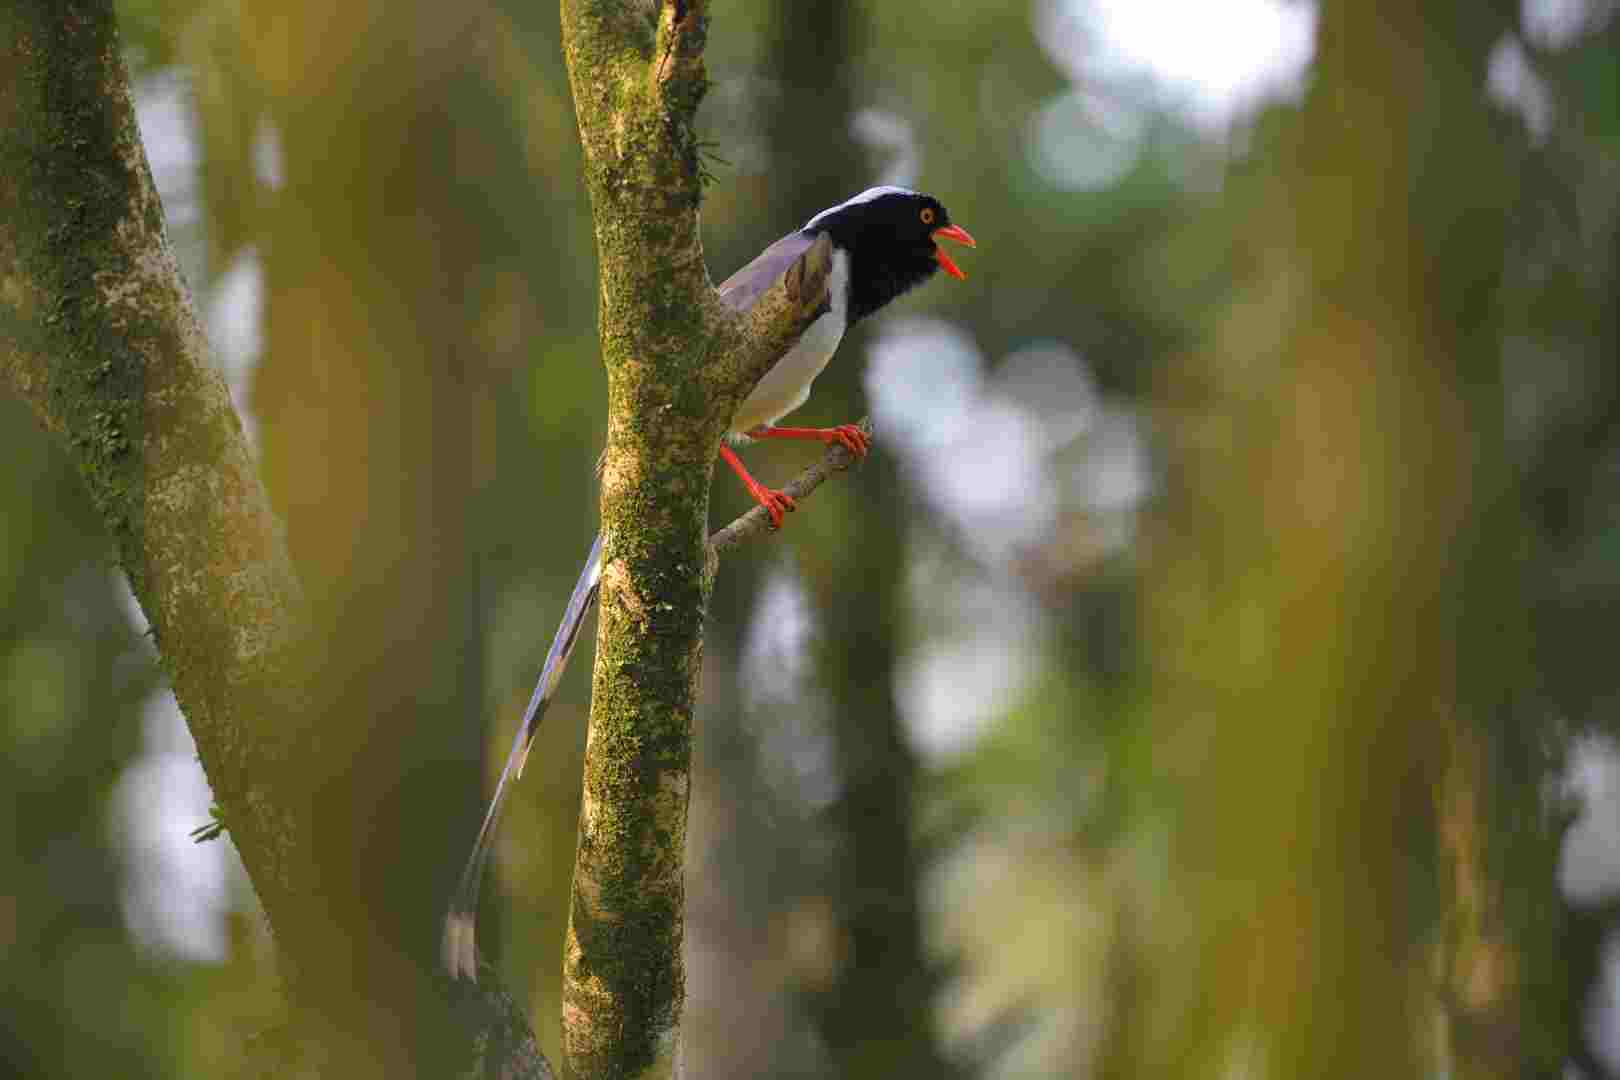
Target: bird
(884, 243)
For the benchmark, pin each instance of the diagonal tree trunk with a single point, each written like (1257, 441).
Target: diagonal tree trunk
(99, 336)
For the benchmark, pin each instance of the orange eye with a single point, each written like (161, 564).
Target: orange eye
(928, 215)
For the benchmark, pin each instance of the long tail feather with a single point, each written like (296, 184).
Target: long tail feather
(460, 950)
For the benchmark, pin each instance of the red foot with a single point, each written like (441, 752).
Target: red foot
(775, 502)
(849, 436)
(852, 438)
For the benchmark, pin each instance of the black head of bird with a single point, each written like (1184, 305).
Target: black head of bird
(892, 236)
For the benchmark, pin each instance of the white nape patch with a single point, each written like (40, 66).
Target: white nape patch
(785, 387)
(864, 197)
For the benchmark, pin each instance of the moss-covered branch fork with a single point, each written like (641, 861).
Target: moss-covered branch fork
(678, 363)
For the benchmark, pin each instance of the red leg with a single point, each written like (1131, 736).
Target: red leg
(849, 436)
(774, 502)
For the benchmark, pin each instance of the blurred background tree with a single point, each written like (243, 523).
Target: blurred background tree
(1210, 672)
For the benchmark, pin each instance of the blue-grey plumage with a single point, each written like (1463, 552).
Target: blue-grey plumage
(460, 949)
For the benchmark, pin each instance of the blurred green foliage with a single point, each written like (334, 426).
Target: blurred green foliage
(1306, 723)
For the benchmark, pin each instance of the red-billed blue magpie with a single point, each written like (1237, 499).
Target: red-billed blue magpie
(884, 243)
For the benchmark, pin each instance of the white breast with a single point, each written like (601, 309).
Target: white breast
(785, 387)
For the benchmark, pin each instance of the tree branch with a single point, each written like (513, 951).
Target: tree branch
(102, 341)
(757, 522)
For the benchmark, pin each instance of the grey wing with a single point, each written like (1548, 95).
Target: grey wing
(740, 290)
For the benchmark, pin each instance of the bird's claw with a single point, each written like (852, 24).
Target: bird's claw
(851, 438)
(775, 504)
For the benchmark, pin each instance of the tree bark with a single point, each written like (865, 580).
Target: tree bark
(678, 364)
(100, 337)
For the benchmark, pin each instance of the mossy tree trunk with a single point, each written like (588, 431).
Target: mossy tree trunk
(99, 336)
(678, 363)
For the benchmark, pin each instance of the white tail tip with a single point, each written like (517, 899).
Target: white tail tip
(459, 947)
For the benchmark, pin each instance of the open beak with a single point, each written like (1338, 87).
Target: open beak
(960, 235)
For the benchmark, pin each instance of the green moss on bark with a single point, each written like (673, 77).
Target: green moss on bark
(101, 341)
(636, 86)
(71, 191)
(677, 362)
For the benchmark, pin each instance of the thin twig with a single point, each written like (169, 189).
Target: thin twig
(757, 522)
